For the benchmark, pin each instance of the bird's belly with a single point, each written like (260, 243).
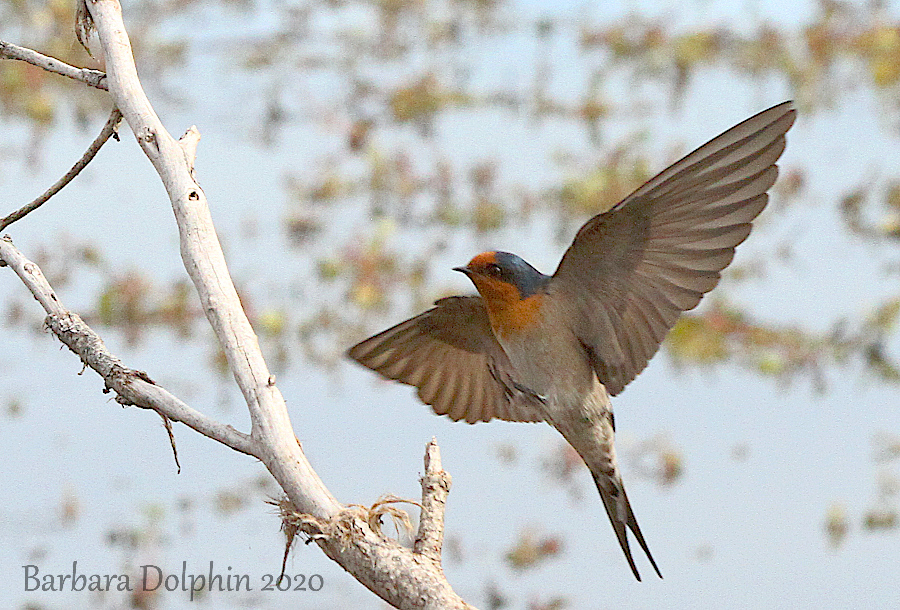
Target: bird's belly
(557, 374)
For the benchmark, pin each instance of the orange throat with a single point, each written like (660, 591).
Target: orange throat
(509, 313)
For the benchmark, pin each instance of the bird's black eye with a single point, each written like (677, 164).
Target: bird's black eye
(494, 270)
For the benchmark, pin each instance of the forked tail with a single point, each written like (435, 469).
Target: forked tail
(612, 492)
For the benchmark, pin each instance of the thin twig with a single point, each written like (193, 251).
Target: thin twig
(108, 130)
(133, 387)
(94, 78)
(168, 424)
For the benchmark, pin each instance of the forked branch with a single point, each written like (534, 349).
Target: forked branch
(131, 387)
(405, 578)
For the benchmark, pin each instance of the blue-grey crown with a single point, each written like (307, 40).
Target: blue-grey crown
(520, 274)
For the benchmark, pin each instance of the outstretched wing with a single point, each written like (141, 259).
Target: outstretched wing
(451, 356)
(631, 271)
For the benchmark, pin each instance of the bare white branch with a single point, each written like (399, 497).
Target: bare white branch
(397, 574)
(435, 487)
(205, 264)
(94, 78)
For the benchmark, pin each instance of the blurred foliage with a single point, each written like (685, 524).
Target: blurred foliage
(655, 458)
(131, 303)
(554, 603)
(865, 217)
(530, 550)
(862, 37)
(603, 187)
(13, 407)
(836, 524)
(418, 101)
(882, 513)
(724, 334)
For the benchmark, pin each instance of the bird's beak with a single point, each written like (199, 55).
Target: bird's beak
(465, 270)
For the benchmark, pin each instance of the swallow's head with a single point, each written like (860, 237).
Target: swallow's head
(504, 279)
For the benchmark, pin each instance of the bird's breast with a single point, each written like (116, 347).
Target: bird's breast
(517, 316)
(547, 357)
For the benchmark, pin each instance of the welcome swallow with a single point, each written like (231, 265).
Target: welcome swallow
(554, 348)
